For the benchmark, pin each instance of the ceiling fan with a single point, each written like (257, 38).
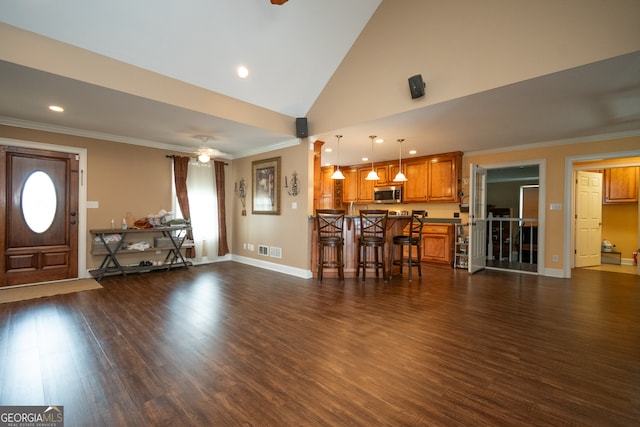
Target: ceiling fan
(205, 153)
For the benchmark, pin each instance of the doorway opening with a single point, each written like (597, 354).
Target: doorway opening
(615, 233)
(513, 222)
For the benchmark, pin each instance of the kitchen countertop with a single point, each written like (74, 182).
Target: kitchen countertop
(428, 220)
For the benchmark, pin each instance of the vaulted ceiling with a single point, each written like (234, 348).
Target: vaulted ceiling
(292, 52)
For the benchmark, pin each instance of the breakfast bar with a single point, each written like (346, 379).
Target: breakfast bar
(438, 243)
(395, 225)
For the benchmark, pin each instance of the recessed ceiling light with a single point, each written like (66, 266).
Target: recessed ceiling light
(364, 159)
(243, 72)
(379, 140)
(412, 152)
(328, 150)
(56, 108)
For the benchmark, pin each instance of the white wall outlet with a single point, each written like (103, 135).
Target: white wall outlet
(294, 205)
(244, 246)
(93, 204)
(555, 206)
(250, 246)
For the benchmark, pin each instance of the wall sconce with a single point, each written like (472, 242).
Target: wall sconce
(241, 191)
(293, 190)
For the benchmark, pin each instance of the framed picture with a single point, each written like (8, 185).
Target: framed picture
(266, 186)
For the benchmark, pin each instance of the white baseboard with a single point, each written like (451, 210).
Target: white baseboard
(554, 272)
(292, 271)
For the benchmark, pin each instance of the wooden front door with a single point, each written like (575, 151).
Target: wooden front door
(39, 209)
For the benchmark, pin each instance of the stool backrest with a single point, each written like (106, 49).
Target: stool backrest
(329, 223)
(373, 223)
(418, 218)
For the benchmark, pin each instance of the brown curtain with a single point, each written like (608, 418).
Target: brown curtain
(180, 168)
(223, 247)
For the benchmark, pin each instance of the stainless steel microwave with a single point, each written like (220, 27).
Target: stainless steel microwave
(392, 194)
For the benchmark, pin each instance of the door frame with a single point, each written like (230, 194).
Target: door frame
(542, 197)
(569, 199)
(82, 192)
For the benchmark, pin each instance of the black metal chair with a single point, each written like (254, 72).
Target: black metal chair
(373, 228)
(410, 245)
(329, 226)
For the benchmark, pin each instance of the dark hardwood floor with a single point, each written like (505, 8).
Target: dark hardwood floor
(229, 344)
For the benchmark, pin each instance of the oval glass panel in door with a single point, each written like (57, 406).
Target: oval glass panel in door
(39, 202)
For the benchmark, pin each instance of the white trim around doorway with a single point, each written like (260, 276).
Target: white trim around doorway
(542, 181)
(569, 197)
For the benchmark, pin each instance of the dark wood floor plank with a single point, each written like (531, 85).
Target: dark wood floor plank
(229, 344)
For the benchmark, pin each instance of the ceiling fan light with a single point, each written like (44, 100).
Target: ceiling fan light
(400, 178)
(372, 176)
(204, 157)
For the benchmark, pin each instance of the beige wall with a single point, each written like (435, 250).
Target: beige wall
(290, 229)
(555, 156)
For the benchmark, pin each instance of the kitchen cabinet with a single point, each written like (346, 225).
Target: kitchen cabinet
(354, 186)
(443, 177)
(415, 188)
(327, 188)
(383, 174)
(365, 188)
(437, 243)
(350, 185)
(429, 179)
(621, 185)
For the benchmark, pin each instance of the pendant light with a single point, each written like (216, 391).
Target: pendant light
(400, 176)
(337, 174)
(372, 176)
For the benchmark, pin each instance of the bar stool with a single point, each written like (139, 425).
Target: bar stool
(329, 226)
(373, 228)
(410, 241)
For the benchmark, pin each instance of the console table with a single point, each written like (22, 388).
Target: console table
(173, 236)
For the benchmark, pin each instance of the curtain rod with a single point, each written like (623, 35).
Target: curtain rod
(171, 156)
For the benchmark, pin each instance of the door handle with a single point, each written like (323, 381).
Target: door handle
(73, 223)
(72, 214)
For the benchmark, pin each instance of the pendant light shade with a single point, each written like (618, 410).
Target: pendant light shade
(372, 176)
(337, 174)
(400, 176)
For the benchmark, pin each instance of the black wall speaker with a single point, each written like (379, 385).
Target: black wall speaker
(302, 131)
(416, 86)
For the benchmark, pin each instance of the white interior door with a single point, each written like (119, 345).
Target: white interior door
(478, 219)
(588, 218)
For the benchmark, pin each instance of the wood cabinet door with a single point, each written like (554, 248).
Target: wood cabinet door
(326, 200)
(442, 179)
(621, 185)
(383, 174)
(415, 189)
(365, 188)
(350, 185)
(393, 171)
(437, 243)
